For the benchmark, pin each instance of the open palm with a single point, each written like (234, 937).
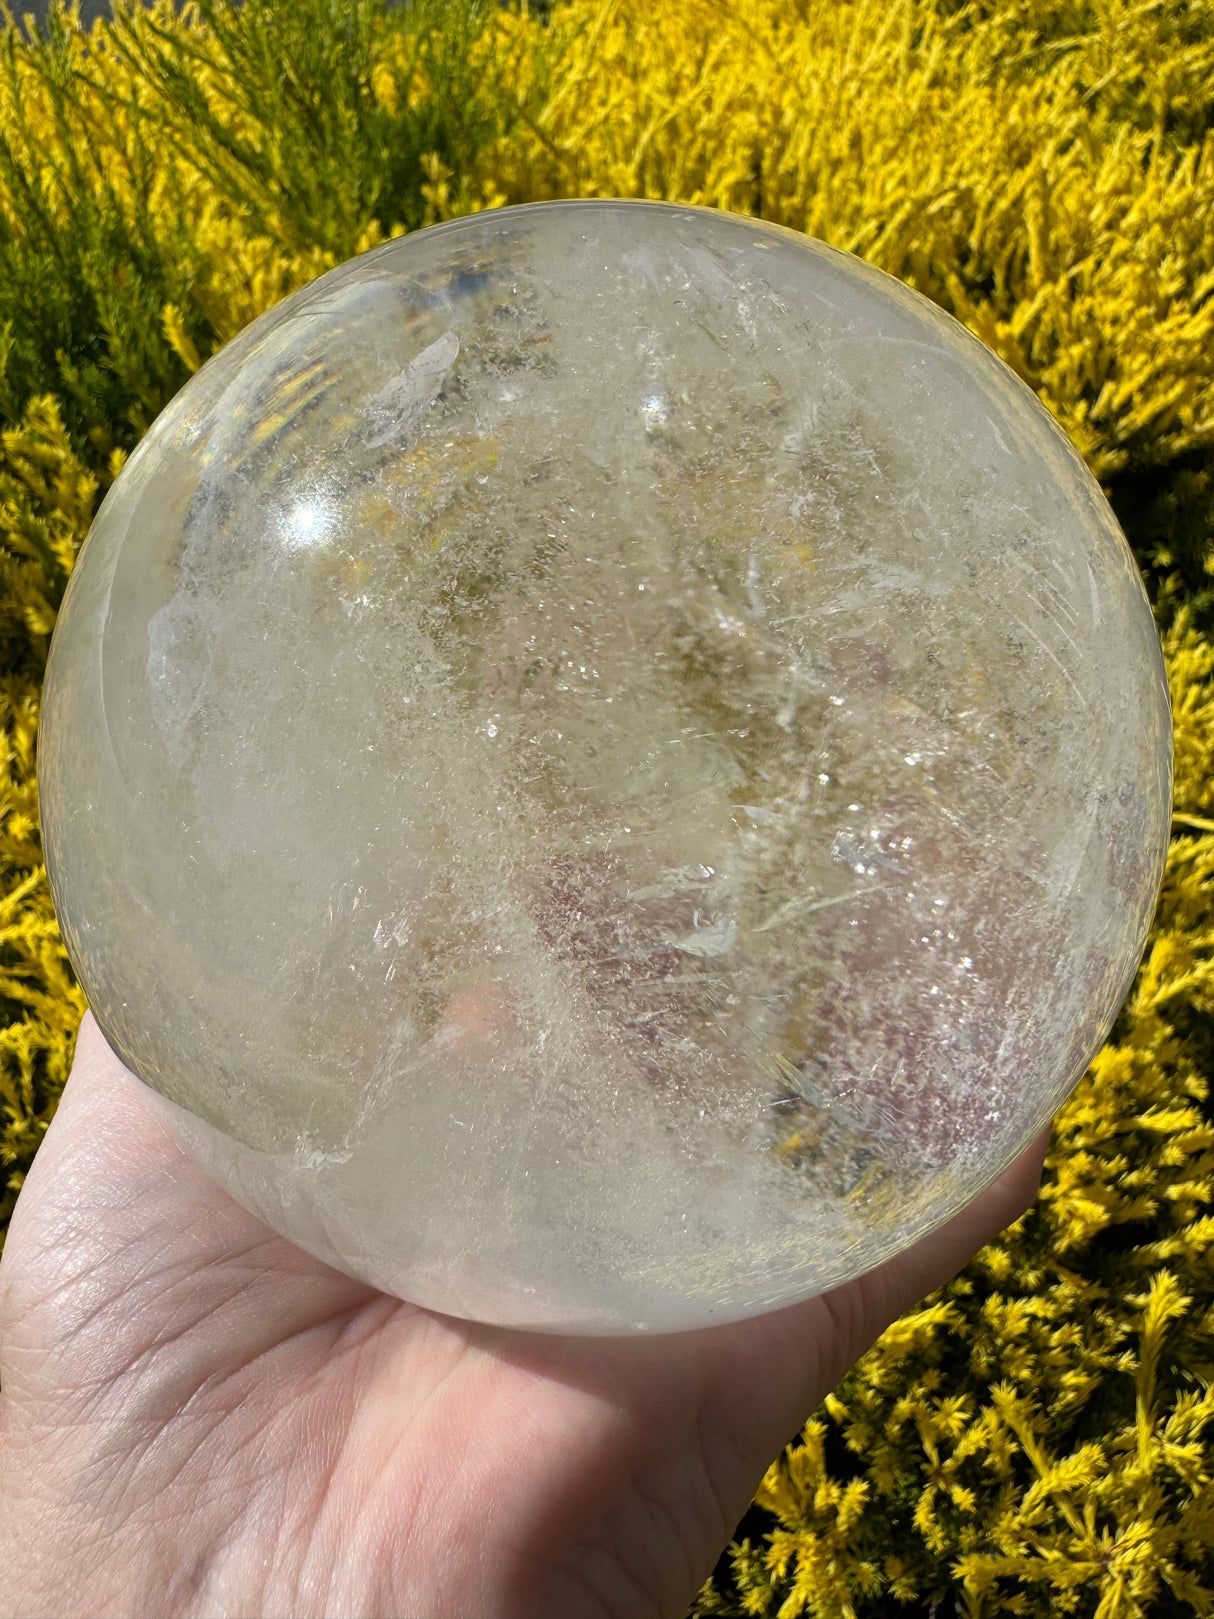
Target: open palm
(200, 1419)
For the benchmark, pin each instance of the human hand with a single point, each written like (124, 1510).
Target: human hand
(199, 1419)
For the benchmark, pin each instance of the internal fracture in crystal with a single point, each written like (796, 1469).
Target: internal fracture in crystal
(608, 763)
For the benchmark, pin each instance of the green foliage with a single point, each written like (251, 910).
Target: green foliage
(46, 502)
(1034, 1439)
(292, 137)
(314, 120)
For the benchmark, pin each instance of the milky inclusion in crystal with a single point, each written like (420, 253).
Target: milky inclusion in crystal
(609, 763)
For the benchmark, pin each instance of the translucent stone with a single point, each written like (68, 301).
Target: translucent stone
(609, 762)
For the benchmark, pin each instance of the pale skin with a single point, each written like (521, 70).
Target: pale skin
(199, 1419)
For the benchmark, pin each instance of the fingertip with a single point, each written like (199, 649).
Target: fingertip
(96, 1066)
(92, 1048)
(1026, 1174)
(100, 1089)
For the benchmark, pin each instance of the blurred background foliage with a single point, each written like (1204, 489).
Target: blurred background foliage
(1035, 1439)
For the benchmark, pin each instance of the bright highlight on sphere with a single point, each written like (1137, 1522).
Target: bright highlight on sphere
(609, 762)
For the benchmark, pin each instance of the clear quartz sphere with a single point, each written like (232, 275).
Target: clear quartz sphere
(609, 763)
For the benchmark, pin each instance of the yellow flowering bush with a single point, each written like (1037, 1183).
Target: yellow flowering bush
(1035, 1438)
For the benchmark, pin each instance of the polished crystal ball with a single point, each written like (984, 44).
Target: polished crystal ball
(608, 763)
